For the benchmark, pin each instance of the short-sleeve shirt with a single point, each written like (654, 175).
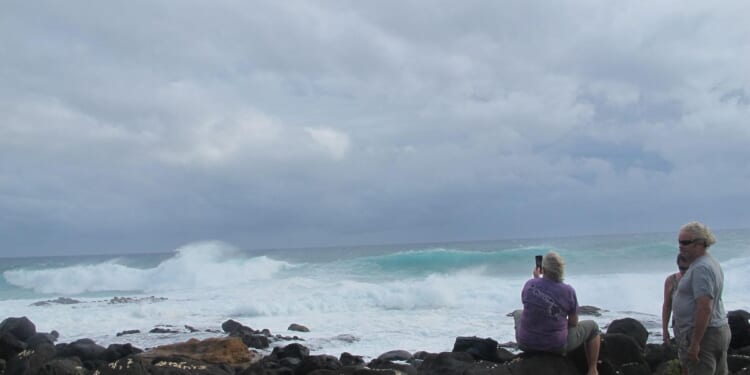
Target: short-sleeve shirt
(544, 321)
(704, 278)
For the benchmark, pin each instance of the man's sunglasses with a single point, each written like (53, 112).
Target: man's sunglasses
(689, 242)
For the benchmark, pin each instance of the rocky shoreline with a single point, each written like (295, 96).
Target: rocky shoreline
(625, 350)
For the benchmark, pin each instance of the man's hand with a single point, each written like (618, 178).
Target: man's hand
(693, 351)
(537, 272)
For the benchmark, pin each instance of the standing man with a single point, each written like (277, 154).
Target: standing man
(700, 319)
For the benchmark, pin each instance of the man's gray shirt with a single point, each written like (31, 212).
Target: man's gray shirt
(704, 278)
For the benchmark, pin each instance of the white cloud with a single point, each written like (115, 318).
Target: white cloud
(221, 140)
(335, 143)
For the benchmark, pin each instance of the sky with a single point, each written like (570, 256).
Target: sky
(142, 126)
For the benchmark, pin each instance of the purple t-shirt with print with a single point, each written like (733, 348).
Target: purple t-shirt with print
(544, 322)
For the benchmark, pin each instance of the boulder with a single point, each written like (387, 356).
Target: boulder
(450, 363)
(163, 366)
(298, 328)
(737, 362)
(22, 328)
(10, 345)
(589, 310)
(739, 324)
(543, 364)
(349, 360)
(231, 326)
(395, 355)
(482, 349)
(57, 301)
(623, 353)
(128, 332)
(163, 330)
(254, 341)
(671, 367)
(291, 351)
(85, 349)
(318, 362)
(30, 361)
(117, 351)
(226, 350)
(62, 366)
(251, 337)
(656, 354)
(41, 339)
(630, 327)
(382, 364)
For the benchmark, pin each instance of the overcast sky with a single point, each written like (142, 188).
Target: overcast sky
(141, 126)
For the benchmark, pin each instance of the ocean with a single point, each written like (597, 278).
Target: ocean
(365, 300)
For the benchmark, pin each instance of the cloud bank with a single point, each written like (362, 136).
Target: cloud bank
(147, 125)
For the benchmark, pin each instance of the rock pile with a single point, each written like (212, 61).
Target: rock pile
(23, 351)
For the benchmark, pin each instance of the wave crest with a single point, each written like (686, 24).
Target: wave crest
(197, 265)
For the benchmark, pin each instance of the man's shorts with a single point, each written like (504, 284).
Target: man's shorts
(712, 358)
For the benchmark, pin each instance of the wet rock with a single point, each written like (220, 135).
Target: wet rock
(395, 355)
(162, 330)
(737, 362)
(85, 349)
(228, 350)
(298, 328)
(292, 350)
(482, 349)
(621, 350)
(151, 299)
(656, 354)
(232, 326)
(57, 301)
(349, 360)
(63, 366)
(630, 327)
(164, 366)
(117, 351)
(543, 364)
(22, 328)
(589, 310)
(41, 339)
(347, 338)
(30, 361)
(450, 363)
(249, 336)
(128, 332)
(318, 362)
(739, 324)
(10, 345)
(380, 364)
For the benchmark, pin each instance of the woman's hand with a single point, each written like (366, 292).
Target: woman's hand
(537, 272)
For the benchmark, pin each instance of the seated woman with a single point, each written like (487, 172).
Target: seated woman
(549, 319)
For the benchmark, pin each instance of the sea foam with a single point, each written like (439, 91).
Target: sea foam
(199, 265)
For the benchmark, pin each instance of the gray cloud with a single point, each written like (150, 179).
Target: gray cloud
(143, 126)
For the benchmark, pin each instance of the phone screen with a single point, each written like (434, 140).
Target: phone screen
(538, 260)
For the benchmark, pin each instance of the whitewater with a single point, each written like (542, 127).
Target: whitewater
(364, 300)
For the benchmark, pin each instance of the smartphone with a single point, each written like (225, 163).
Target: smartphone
(538, 260)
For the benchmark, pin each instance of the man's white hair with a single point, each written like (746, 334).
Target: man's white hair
(700, 232)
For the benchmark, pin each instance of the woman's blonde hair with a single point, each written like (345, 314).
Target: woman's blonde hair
(553, 266)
